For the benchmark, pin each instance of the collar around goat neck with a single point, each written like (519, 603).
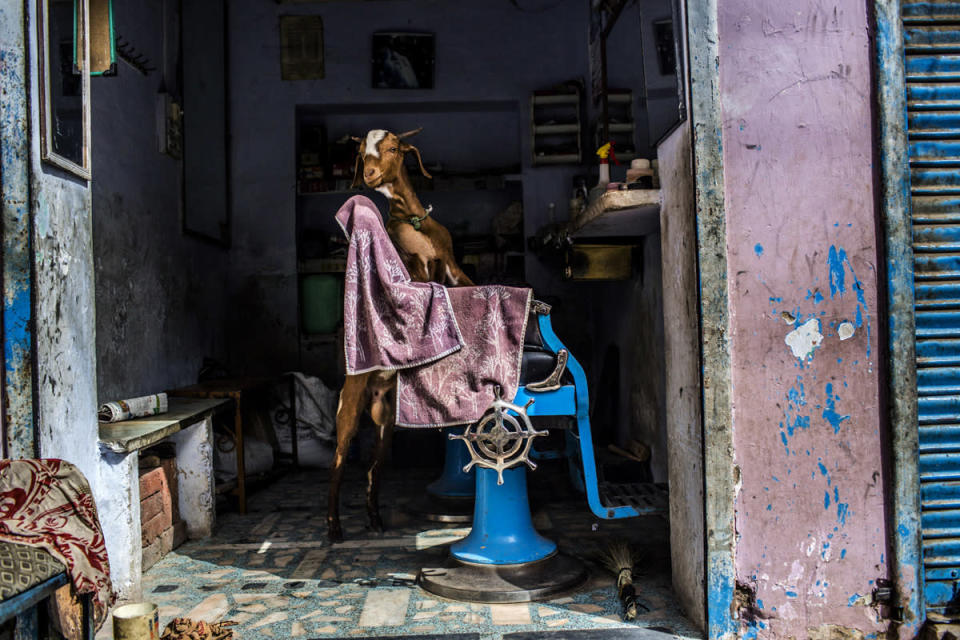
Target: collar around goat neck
(414, 221)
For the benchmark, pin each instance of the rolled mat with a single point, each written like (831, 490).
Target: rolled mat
(133, 408)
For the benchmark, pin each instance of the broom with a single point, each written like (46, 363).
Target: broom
(618, 558)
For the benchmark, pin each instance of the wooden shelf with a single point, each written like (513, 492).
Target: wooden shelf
(619, 214)
(552, 129)
(555, 98)
(555, 117)
(558, 158)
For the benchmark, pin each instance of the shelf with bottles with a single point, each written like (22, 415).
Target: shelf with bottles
(555, 126)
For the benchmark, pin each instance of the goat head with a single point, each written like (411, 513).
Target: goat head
(380, 158)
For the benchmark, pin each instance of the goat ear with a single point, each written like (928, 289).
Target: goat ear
(357, 173)
(356, 139)
(405, 147)
(407, 134)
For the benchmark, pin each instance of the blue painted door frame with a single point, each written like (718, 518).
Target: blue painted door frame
(718, 464)
(18, 351)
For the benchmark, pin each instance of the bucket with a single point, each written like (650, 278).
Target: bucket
(136, 622)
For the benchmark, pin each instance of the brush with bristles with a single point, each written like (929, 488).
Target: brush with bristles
(619, 558)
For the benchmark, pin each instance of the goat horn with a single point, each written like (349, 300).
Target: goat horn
(407, 134)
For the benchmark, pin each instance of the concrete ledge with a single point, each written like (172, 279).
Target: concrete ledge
(189, 425)
(132, 435)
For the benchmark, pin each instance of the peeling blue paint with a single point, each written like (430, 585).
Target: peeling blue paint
(843, 510)
(17, 320)
(830, 413)
(816, 296)
(826, 499)
(758, 249)
(835, 260)
(838, 263)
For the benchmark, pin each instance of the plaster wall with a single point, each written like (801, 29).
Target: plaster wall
(65, 401)
(682, 384)
(160, 295)
(795, 90)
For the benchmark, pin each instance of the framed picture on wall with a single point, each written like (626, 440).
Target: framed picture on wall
(64, 68)
(403, 60)
(301, 47)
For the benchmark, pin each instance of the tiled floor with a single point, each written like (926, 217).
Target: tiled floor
(273, 572)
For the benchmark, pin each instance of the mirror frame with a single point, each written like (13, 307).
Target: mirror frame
(82, 44)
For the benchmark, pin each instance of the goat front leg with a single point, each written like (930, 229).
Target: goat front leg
(382, 410)
(353, 398)
(454, 275)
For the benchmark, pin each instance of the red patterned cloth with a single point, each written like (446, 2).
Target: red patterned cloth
(48, 504)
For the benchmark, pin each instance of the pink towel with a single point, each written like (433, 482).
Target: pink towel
(451, 347)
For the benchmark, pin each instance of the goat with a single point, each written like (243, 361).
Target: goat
(424, 244)
(426, 249)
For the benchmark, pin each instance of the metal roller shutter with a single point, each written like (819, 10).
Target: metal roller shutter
(932, 47)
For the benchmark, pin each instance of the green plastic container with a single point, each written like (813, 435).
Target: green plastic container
(321, 303)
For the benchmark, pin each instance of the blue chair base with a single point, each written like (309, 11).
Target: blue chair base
(454, 482)
(449, 498)
(502, 530)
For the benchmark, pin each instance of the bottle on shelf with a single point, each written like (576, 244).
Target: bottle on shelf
(640, 172)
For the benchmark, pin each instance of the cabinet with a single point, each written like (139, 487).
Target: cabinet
(621, 126)
(555, 126)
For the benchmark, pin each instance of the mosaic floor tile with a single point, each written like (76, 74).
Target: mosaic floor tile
(274, 573)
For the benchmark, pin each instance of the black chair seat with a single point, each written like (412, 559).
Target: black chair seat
(536, 365)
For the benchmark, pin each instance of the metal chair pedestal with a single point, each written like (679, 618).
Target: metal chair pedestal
(449, 498)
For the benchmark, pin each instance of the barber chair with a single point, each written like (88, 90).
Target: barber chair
(449, 498)
(504, 559)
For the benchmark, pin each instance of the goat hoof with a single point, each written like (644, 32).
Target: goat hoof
(334, 533)
(376, 524)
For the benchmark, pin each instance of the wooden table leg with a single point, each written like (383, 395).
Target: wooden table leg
(293, 421)
(241, 471)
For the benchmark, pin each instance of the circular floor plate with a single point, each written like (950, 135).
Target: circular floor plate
(504, 583)
(439, 509)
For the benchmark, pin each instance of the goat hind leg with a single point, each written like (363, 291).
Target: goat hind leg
(353, 398)
(382, 412)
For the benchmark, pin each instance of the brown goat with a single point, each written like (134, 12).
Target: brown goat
(423, 243)
(426, 249)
